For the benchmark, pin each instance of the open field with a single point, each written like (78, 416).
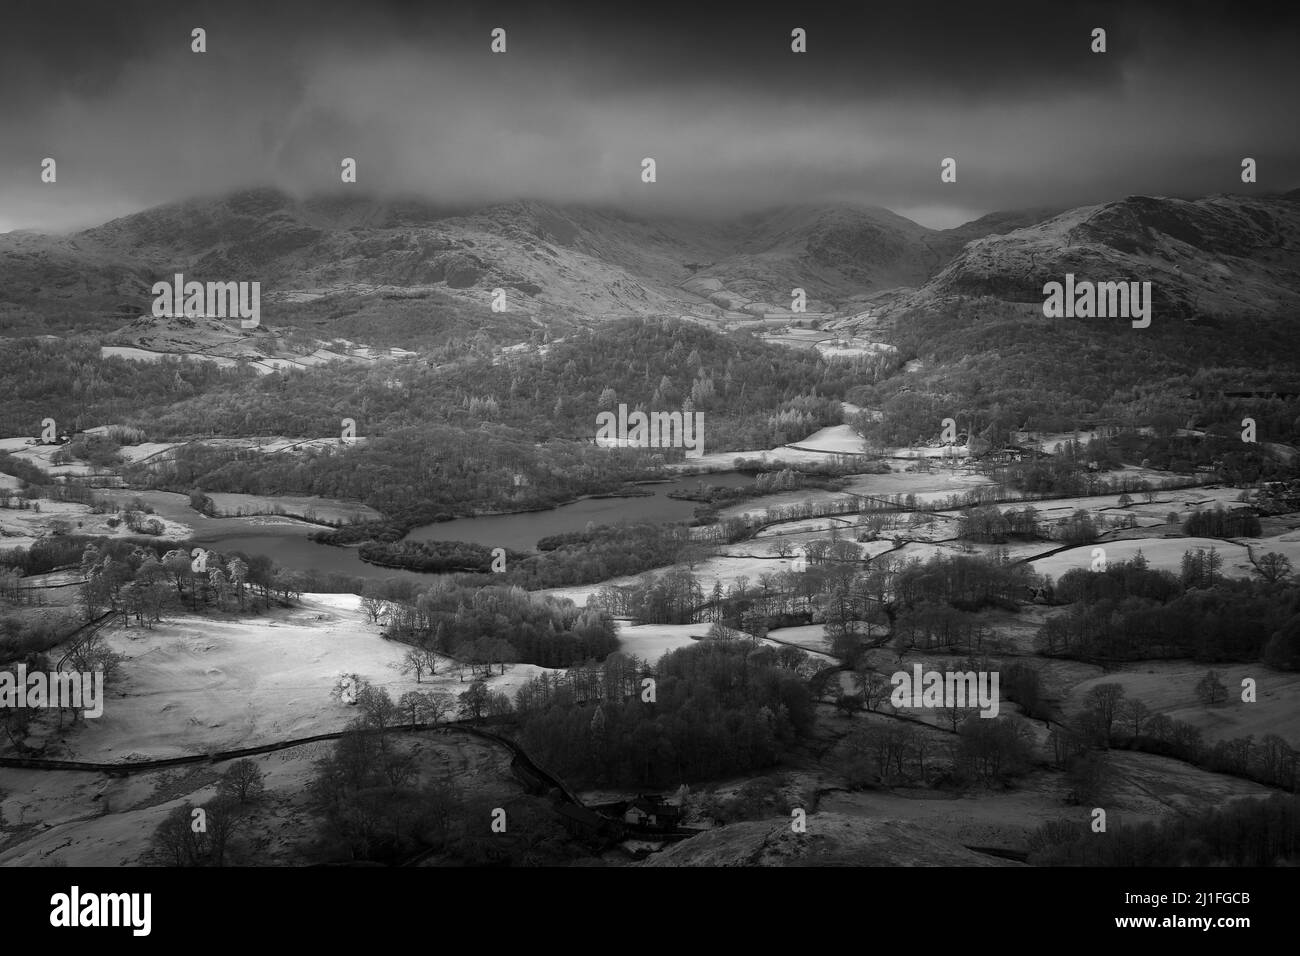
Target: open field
(1145, 787)
(194, 685)
(20, 528)
(41, 456)
(1165, 554)
(197, 685)
(1169, 688)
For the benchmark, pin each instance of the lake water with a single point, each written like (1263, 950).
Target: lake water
(521, 532)
(285, 540)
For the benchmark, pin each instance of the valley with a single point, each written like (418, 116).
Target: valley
(471, 560)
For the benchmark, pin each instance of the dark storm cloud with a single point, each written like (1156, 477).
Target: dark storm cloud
(732, 117)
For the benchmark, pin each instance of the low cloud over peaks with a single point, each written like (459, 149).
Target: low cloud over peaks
(733, 119)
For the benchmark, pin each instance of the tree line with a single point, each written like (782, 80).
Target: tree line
(505, 623)
(1258, 832)
(718, 708)
(1130, 612)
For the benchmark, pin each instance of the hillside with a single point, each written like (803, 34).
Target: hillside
(554, 262)
(416, 274)
(832, 839)
(1216, 256)
(66, 279)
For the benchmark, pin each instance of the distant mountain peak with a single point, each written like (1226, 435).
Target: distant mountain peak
(1219, 255)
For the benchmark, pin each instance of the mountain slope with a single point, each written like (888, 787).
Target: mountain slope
(833, 253)
(66, 279)
(556, 264)
(579, 261)
(1216, 256)
(553, 261)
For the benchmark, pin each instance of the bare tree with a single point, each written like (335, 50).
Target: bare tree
(1211, 690)
(422, 707)
(243, 781)
(175, 842)
(418, 661)
(1274, 567)
(956, 716)
(222, 822)
(1134, 712)
(473, 702)
(377, 707)
(1104, 700)
(182, 840)
(94, 654)
(920, 744)
(499, 704)
(436, 706)
(372, 604)
(410, 705)
(875, 689)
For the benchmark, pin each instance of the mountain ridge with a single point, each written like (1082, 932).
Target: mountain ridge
(1216, 256)
(588, 262)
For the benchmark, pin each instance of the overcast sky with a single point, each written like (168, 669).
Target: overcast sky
(733, 118)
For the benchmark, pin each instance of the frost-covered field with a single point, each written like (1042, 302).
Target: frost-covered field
(1169, 688)
(196, 685)
(1165, 554)
(22, 528)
